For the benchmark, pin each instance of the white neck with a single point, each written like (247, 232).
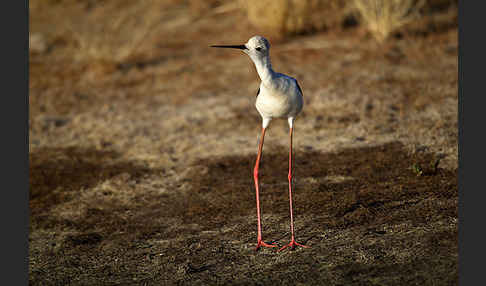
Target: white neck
(264, 69)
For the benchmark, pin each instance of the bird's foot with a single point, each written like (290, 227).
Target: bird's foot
(292, 245)
(262, 243)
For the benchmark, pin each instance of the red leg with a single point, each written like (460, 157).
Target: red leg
(255, 177)
(292, 243)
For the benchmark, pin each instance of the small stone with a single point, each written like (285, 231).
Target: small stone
(37, 43)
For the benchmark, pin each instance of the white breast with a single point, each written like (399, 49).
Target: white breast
(282, 99)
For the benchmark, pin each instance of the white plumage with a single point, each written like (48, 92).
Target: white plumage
(279, 96)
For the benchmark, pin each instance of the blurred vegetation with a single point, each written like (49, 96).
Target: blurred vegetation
(379, 17)
(287, 17)
(113, 30)
(101, 30)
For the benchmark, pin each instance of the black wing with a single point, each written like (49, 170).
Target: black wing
(258, 92)
(298, 86)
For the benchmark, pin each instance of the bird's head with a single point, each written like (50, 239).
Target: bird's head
(256, 48)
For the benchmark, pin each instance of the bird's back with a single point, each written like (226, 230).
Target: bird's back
(283, 98)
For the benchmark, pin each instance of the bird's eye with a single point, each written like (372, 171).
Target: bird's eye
(258, 48)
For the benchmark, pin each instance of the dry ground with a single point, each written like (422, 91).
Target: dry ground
(141, 167)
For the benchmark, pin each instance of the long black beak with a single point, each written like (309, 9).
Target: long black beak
(241, 47)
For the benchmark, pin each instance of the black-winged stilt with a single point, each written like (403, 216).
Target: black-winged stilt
(279, 96)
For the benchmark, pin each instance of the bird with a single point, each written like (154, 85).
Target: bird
(278, 96)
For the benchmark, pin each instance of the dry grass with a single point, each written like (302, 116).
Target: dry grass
(286, 17)
(115, 30)
(142, 176)
(381, 17)
(384, 16)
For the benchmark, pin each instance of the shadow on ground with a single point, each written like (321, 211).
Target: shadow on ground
(61, 175)
(381, 184)
(369, 215)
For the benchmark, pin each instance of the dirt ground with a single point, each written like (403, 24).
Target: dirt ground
(141, 169)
